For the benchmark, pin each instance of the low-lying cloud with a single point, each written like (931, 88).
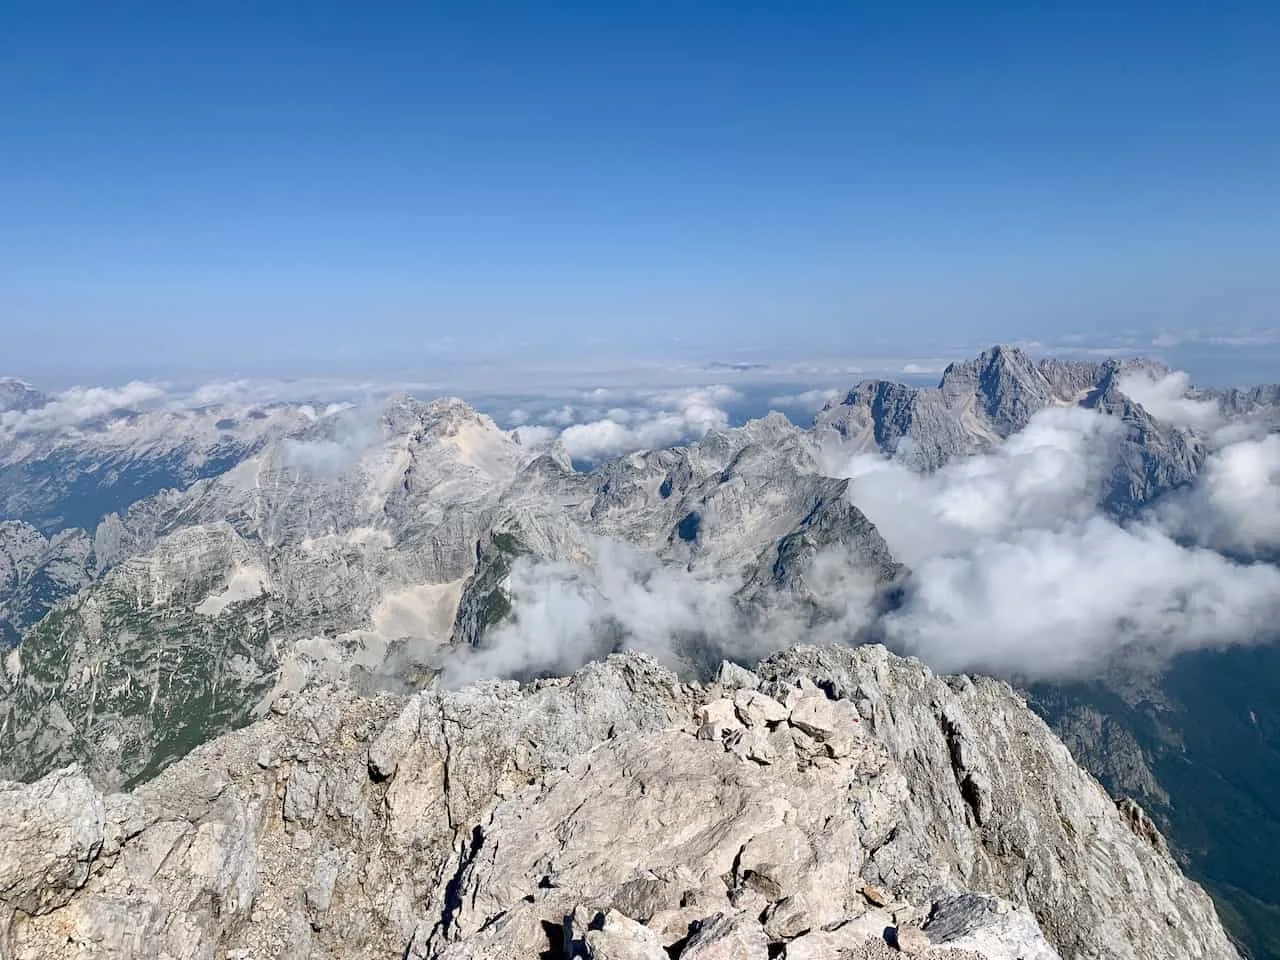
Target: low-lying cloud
(809, 401)
(1060, 602)
(625, 597)
(79, 405)
(342, 436)
(1166, 396)
(1043, 477)
(652, 421)
(1016, 568)
(593, 424)
(1235, 503)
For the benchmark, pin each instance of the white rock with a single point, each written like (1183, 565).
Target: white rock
(513, 805)
(621, 938)
(824, 719)
(727, 937)
(757, 709)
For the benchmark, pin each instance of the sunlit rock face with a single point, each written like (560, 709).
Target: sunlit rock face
(835, 802)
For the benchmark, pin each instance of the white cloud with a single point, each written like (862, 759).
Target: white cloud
(563, 416)
(566, 615)
(249, 393)
(657, 420)
(625, 598)
(811, 400)
(1051, 603)
(1249, 337)
(349, 433)
(1235, 502)
(81, 404)
(1044, 476)
(535, 436)
(1016, 569)
(1165, 397)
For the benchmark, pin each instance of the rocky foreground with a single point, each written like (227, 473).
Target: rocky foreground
(836, 803)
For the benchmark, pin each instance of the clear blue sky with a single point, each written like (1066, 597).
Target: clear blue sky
(237, 185)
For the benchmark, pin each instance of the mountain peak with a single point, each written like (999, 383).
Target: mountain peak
(19, 395)
(990, 369)
(404, 413)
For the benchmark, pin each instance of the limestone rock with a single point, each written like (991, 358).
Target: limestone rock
(621, 938)
(756, 709)
(727, 937)
(824, 719)
(911, 940)
(994, 928)
(584, 814)
(50, 835)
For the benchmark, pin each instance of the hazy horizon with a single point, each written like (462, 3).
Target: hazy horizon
(362, 192)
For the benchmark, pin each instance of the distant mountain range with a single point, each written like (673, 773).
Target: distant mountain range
(167, 575)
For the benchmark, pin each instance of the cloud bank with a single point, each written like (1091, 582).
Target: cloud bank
(79, 405)
(1166, 397)
(809, 401)
(667, 418)
(1235, 502)
(1017, 570)
(626, 598)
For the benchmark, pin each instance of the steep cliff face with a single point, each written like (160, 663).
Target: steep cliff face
(36, 572)
(981, 402)
(838, 802)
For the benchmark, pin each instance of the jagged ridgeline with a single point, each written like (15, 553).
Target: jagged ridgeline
(833, 803)
(230, 558)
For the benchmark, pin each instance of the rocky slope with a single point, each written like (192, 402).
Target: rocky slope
(838, 802)
(378, 548)
(71, 463)
(373, 559)
(36, 572)
(981, 402)
(18, 396)
(1197, 747)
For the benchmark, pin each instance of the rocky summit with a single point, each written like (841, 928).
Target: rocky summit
(835, 802)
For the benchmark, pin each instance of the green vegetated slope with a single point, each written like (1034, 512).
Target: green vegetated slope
(124, 688)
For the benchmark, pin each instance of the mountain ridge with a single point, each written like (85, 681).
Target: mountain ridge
(836, 800)
(381, 548)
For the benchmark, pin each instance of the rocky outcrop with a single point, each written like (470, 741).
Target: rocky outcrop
(37, 572)
(1153, 457)
(976, 404)
(297, 547)
(979, 403)
(838, 802)
(17, 396)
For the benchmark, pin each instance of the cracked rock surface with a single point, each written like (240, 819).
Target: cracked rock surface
(835, 803)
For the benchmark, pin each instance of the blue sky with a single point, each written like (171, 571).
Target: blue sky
(321, 188)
